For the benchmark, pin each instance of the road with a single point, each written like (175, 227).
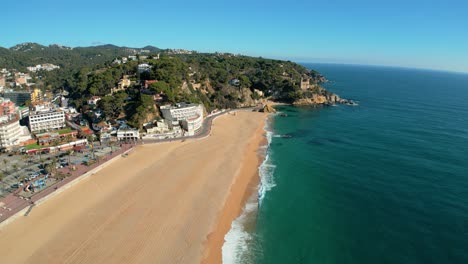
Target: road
(206, 128)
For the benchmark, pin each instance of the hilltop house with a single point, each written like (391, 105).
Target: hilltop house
(93, 100)
(144, 67)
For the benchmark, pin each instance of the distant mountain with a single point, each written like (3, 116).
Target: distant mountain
(28, 46)
(28, 54)
(152, 48)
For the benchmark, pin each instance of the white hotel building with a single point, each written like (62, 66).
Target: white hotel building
(46, 118)
(189, 116)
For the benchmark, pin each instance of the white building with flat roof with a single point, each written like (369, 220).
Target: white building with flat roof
(144, 67)
(128, 134)
(189, 116)
(158, 127)
(44, 118)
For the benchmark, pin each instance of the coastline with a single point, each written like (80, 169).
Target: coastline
(146, 207)
(244, 186)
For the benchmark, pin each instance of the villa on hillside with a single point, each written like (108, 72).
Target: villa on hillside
(94, 100)
(144, 67)
(123, 84)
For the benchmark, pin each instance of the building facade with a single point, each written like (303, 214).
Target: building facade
(7, 107)
(46, 119)
(36, 96)
(305, 83)
(19, 97)
(192, 125)
(144, 67)
(10, 131)
(128, 134)
(189, 116)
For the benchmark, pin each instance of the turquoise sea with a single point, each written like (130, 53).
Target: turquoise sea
(382, 182)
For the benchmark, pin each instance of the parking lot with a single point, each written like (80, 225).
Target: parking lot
(20, 169)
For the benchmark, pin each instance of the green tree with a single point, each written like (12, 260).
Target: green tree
(15, 167)
(163, 87)
(245, 81)
(50, 169)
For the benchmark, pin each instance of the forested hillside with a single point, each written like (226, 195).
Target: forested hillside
(217, 80)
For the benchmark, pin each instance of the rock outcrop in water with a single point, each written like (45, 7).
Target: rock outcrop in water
(320, 96)
(268, 109)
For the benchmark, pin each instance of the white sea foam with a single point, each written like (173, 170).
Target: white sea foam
(236, 241)
(267, 168)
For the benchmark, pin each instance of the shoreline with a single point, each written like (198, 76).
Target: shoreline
(244, 186)
(146, 207)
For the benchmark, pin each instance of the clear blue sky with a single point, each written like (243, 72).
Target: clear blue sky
(413, 33)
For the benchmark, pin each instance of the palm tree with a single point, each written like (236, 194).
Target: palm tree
(111, 144)
(50, 168)
(60, 176)
(69, 153)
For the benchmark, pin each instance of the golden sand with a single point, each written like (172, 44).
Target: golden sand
(164, 203)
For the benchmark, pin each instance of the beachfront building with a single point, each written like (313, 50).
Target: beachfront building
(128, 134)
(158, 127)
(44, 117)
(192, 124)
(189, 116)
(10, 131)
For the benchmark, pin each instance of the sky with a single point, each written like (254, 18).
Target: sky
(428, 34)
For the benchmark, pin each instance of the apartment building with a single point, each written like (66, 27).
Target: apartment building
(10, 131)
(44, 118)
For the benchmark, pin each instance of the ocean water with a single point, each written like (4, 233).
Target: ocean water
(382, 182)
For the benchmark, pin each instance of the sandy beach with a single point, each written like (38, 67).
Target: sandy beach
(164, 203)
